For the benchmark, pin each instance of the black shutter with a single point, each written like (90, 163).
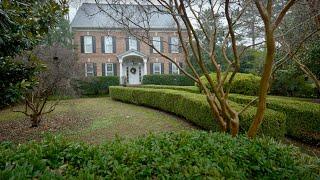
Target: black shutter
(138, 45)
(93, 44)
(102, 44)
(151, 43)
(169, 45)
(161, 45)
(103, 69)
(170, 68)
(114, 44)
(151, 68)
(115, 69)
(127, 43)
(180, 46)
(181, 64)
(162, 68)
(95, 69)
(82, 44)
(83, 67)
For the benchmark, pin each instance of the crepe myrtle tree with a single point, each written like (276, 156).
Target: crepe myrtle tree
(197, 34)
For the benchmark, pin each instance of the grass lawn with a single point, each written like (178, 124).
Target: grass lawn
(92, 120)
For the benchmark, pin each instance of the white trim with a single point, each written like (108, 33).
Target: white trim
(160, 70)
(108, 39)
(106, 69)
(86, 50)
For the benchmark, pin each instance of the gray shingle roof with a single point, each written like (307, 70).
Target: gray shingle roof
(89, 15)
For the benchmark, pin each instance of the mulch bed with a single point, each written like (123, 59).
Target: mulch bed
(20, 131)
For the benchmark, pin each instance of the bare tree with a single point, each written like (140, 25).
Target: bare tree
(196, 36)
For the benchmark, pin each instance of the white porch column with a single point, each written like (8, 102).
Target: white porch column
(120, 62)
(145, 66)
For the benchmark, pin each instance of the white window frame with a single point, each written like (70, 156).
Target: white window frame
(156, 42)
(133, 43)
(89, 73)
(108, 44)
(88, 46)
(109, 73)
(175, 69)
(174, 44)
(154, 68)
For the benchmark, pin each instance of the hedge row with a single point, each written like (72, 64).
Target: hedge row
(194, 108)
(167, 79)
(91, 86)
(186, 155)
(192, 89)
(303, 118)
(247, 84)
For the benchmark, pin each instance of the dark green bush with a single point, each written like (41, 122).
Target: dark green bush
(194, 107)
(167, 79)
(242, 84)
(302, 118)
(185, 155)
(192, 89)
(92, 86)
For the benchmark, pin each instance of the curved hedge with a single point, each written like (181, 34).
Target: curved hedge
(247, 84)
(186, 155)
(303, 118)
(192, 89)
(195, 108)
(167, 79)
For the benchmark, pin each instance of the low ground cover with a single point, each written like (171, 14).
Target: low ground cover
(92, 120)
(170, 155)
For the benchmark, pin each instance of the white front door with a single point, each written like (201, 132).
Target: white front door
(134, 74)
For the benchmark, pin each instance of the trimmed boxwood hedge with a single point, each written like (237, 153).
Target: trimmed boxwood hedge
(303, 118)
(247, 84)
(194, 108)
(167, 79)
(92, 86)
(185, 155)
(192, 89)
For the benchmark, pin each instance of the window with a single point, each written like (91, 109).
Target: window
(109, 69)
(156, 43)
(174, 69)
(174, 45)
(133, 44)
(89, 69)
(108, 44)
(88, 48)
(156, 68)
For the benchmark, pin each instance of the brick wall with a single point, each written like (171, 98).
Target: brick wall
(99, 57)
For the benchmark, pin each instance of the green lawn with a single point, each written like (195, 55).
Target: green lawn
(92, 120)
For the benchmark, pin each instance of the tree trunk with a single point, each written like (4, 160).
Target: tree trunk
(35, 120)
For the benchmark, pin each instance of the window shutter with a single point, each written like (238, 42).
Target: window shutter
(115, 69)
(169, 45)
(103, 68)
(161, 45)
(151, 68)
(162, 68)
(138, 45)
(114, 44)
(181, 64)
(82, 44)
(102, 44)
(127, 43)
(180, 47)
(151, 43)
(95, 69)
(93, 44)
(84, 66)
(170, 68)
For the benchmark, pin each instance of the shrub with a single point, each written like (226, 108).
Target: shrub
(90, 86)
(167, 79)
(192, 89)
(242, 84)
(185, 155)
(302, 118)
(195, 108)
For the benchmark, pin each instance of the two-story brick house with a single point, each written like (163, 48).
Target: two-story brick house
(105, 49)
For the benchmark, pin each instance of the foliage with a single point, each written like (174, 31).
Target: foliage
(194, 108)
(291, 83)
(186, 155)
(93, 86)
(167, 79)
(312, 58)
(302, 118)
(251, 61)
(192, 89)
(247, 84)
